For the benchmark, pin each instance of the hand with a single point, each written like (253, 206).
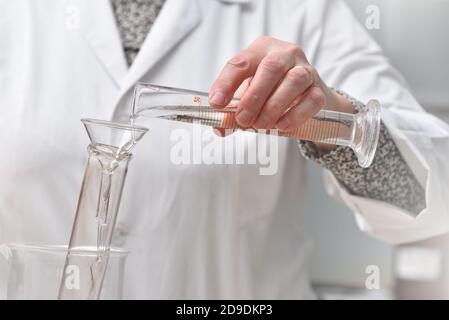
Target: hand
(283, 90)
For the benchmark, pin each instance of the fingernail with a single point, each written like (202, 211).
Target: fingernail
(218, 98)
(218, 132)
(244, 117)
(283, 124)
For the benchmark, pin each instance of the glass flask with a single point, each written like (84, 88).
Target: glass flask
(98, 204)
(33, 272)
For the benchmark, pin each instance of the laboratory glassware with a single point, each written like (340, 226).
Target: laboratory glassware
(33, 272)
(98, 204)
(358, 131)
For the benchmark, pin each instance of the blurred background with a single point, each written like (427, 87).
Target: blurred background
(412, 34)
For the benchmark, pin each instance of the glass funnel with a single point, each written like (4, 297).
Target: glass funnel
(98, 204)
(31, 272)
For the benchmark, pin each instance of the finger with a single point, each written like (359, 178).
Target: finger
(219, 132)
(238, 69)
(292, 86)
(270, 71)
(243, 87)
(222, 132)
(312, 102)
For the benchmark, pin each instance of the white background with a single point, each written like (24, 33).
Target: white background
(415, 36)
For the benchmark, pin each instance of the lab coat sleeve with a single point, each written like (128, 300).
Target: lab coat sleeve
(348, 59)
(388, 178)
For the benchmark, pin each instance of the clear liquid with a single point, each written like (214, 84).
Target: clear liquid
(327, 127)
(105, 159)
(108, 158)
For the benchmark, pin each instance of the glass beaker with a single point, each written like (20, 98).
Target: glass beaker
(98, 204)
(34, 272)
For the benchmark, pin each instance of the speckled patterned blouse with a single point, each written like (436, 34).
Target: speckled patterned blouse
(135, 19)
(388, 179)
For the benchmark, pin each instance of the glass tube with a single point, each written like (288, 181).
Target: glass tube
(358, 131)
(98, 204)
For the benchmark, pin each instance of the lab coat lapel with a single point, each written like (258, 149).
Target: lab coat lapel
(100, 31)
(175, 21)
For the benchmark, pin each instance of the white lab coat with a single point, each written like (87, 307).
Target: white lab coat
(194, 231)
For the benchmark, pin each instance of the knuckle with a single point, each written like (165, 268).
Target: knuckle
(317, 97)
(312, 72)
(273, 64)
(299, 75)
(294, 50)
(240, 61)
